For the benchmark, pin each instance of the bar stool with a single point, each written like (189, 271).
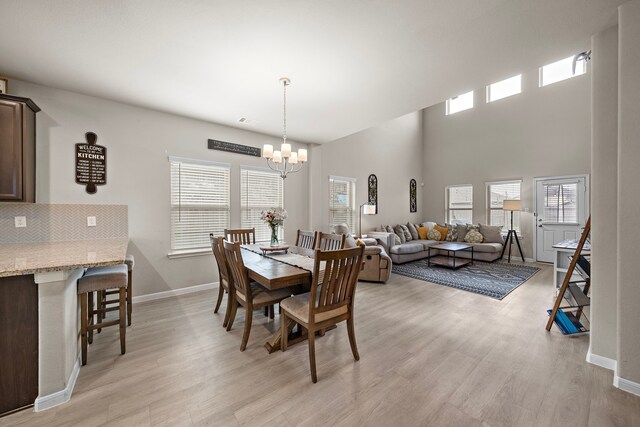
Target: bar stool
(96, 280)
(102, 296)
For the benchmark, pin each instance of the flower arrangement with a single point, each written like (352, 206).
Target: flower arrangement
(273, 218)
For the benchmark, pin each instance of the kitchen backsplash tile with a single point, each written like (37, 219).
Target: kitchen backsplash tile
(62, 222)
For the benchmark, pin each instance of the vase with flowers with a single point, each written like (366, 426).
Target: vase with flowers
(274, 218)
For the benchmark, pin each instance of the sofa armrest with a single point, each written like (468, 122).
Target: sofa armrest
(372, 250)
(387, 240)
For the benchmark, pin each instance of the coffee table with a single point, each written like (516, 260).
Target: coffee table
(450, 260)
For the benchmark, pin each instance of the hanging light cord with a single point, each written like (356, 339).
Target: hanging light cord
(284, 113)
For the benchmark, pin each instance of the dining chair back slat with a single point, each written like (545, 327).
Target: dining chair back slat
(239, 276)
(306, 239)
(225, 279)
(330, 242)
(246, 236)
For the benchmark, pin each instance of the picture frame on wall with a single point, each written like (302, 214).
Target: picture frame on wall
(4, 85)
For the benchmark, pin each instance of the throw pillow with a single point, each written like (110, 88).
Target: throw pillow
(413, 230)
(350, 242)
(462, 231)
(407, 234)
(491, 233)
(443, 231)
(359, 242)
(473, 236)
(422, 232)
(398, 230)
(452, 233)
(388, 229)
(428, 224)
(433, 234)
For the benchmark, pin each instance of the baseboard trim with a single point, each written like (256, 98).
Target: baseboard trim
(626, 385)
(174, 292)
(58, 398)
(603, 362)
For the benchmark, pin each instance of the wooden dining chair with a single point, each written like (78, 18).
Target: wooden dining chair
(330, 242)
(246, 236)
(226, 282)
(306, 239)
(249, 295)
(330, 301)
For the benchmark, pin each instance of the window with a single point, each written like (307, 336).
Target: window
(459, 204)
(561, 203)
(561, 70)
(459, 103)
(259, 190)
(497, 193)
(199, 202)
(504, 88)
(342, 197)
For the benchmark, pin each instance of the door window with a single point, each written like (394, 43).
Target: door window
(560, 203)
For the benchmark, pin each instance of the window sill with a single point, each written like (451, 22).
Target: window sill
(185, 253)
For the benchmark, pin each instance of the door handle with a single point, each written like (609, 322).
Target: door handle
(540, 226)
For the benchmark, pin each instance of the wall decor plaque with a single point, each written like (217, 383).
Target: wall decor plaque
(231, 147)
(413, 196)
(91, 163)
(372, 188)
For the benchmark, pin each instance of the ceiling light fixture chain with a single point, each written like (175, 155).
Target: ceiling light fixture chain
(291, 161)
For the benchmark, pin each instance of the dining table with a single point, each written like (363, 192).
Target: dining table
(290, 268)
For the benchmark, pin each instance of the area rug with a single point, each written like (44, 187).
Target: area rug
(495, 280)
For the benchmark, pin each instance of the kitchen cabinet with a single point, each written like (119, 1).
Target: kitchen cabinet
(17, 149)
(18, 342)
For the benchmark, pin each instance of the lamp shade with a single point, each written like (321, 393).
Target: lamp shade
(369, 209)
(512, 205)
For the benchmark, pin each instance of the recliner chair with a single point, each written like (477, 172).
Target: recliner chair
(377, 264)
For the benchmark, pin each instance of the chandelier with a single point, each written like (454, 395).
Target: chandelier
(284, 161)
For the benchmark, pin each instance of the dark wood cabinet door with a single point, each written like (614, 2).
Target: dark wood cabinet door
(18, 342)
(11, 150)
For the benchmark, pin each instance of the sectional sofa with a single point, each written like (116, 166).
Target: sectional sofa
(415, 249)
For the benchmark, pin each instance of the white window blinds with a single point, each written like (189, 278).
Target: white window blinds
(497, 193)
(199, 202)
(460, 204)
(260, 190)
(342, 196)
(561, 203)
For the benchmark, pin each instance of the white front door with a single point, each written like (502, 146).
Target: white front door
(561, 212)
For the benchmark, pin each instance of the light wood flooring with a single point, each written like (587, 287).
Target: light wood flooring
(430, 355)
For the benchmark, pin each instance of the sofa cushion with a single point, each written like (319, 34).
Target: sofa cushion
(407, 248)
(473, 236)
(452, 233)
(426, 243)
(434, 234)
(398, 230)
(407, 234)
(462, 231)
(491, 233)
(413, 230)
(428, 224)
(422, 232)
(487, 247)
(443, 231)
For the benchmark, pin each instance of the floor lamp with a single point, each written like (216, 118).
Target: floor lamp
(512, 206)
(367, 209)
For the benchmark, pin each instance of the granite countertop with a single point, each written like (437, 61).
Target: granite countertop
(28, 258)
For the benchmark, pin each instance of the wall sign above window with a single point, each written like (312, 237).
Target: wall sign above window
(231, 147)
(91, 163)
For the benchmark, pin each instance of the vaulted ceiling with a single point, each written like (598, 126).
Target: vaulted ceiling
(353, 63)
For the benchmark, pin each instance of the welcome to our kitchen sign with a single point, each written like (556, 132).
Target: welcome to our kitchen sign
(91, 163)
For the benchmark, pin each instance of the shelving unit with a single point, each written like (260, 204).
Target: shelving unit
(568, 312)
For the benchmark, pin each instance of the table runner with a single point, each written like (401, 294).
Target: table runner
(296, 260)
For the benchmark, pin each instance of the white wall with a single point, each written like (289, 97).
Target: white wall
(628, 194)
(138, 141)
(392, 151)
(540, 132)
(604, 177)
